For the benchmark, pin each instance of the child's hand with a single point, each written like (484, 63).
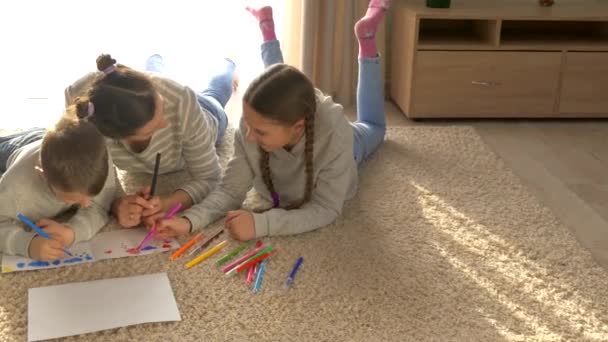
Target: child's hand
(128, 210)
(57, 231)
(152, 220)
(240, 225)
(155, 204)
(45, 249)
(173, 227)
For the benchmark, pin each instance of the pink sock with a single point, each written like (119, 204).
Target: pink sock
(366, 27)
(264, 17)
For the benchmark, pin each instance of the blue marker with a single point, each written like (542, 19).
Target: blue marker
(258, 279)
(293, 272)
(38, 230)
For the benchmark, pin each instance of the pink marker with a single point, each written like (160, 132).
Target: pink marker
(250, 274)
(153, 231)
(243, 258)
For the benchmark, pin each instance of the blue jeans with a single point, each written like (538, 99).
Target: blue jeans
(370, 127)
(215, 97)
(10, 143)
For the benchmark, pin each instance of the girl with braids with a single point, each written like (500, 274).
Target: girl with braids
(143, 114)
(46, 173)
(294, 145)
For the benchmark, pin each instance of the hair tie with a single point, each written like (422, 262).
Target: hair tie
(275, 199)
(90, 109)
(109, 69)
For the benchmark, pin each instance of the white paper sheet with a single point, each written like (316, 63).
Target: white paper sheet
(80, 308)
(106, 245)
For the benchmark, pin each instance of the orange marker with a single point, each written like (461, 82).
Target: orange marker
(186, 246)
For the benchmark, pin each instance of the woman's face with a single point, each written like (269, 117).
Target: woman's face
(158, 122)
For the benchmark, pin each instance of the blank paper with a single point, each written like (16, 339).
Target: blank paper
(79, 308)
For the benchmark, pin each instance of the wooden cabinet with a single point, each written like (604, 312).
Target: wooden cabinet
(483, 83)
(507, 58)
(584, 84)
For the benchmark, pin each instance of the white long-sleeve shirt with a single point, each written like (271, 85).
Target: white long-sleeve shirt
(24, 190)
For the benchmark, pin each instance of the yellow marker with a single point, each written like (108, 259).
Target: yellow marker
(207, 254)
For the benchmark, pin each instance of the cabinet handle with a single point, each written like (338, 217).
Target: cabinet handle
(485, 83)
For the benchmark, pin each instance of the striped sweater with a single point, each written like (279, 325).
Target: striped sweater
(188, 143)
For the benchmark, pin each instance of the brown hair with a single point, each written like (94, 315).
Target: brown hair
(284, 94)
(124, 99)
(73, 153)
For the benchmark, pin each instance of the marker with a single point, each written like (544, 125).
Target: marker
(155, 175)
(186, 246)
(207, 254)
(204, 243)
(258, 279)
(293, 272)
(252, 262)
(39, 231)
(258, 251)
(232, 254)
(153, 231)
(250, 274)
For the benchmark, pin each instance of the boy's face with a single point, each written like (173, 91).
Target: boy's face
(71, 198)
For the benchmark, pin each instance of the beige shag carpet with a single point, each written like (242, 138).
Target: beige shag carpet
(442, 243)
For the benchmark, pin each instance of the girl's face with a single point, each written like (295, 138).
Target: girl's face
(144, 133)
(271, 135)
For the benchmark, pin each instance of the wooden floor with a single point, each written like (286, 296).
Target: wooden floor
(564, 163)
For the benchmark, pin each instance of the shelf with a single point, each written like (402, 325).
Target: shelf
(500, 58)
(457, 33)
(554, 35)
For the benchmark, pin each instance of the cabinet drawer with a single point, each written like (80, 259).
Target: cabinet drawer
(485, 83)
(585, 83)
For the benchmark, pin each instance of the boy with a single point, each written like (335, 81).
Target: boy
(45, 174)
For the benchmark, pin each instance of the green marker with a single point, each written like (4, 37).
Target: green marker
(232, 254)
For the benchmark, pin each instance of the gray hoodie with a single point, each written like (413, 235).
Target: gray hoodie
(24, 190)
(335, 178)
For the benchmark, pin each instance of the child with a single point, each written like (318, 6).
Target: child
(144, 114)
(294, 145)
(44, 175)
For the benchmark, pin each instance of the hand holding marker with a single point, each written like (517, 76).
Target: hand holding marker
(39, 230)
(154, 231)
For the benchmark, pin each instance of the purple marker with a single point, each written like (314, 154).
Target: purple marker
(293, 272)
